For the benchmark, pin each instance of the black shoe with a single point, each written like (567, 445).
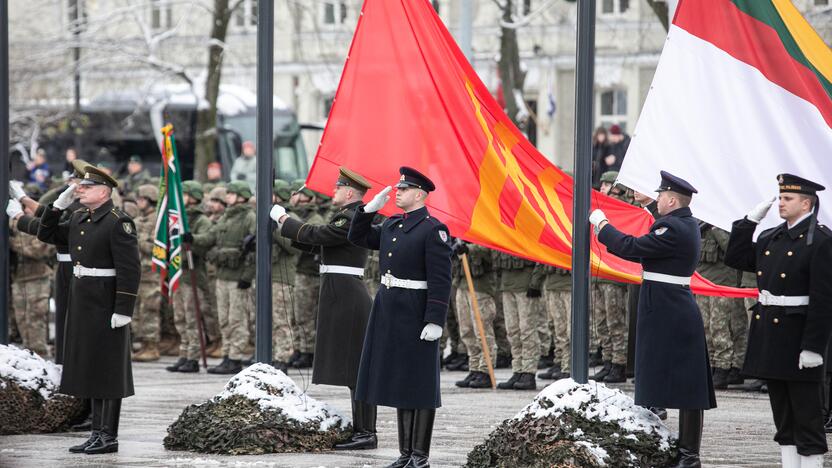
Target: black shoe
(450, 358)
(458, 364)
(191, 366)
(509, 384)
(503, 361)
(616, 374)
(660, 412)
(294, 357)
(754, 386)
(466, 382)
(735, 377)
(304, 361)
(281, 366)
(81, 447)
(83, 426)
(545, 362)
(400, 462)
(526, 382)
(562, 375)
(176, 365)
(231, 366)
(549, 373)
(104, 443)
(720, 378)
(596, 358)
(482, 380)
(605, 371)
(418, 461)
(359, 441)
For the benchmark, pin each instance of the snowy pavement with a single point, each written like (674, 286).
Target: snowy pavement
(737, 433)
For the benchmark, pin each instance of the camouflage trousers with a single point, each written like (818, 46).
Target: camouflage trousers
(544, 329)
(522, 318)
(184, 318)
(209, 313)
(500, 333)
(469, 332)
(233, 312)
(450, 335)
(372, 284)
(30, 301)
(559, 306)
(726, 328)
(307, 290)
(609, 306)
(145, 326)
(282, 319)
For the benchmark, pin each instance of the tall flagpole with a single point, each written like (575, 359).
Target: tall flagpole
(5, 170)
(584, 79)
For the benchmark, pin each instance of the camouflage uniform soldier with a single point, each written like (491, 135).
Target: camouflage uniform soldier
(215, 204)
(457, 360)
(284, 263)
(503, 359)
(30, 287)
(372, 273)
(479, 261)
(184, 307)
(725, 319)
(307, 281)
(520, 286)
(146, 319)
(235, 273)
(557, 294)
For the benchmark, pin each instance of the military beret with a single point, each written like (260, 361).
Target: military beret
(94, 175)
(239, 187)
(794, 184)
(410, 177)
(675, 184)
(349, 178)
(609, 177)
(193, 189)
(148, 191)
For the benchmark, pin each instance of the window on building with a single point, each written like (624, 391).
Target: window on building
(614, 7)
(334, 13)
(161, 14)
(613, 107)
(245, 15)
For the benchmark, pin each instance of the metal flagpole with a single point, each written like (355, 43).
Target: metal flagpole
(5, 171)
(265, 166)
(584, 79)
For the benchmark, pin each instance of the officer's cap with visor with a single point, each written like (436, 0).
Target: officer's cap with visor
(79, 168)
(790, 183)
(671, 183)
(95, 176)
(349, 178)
(411, 178)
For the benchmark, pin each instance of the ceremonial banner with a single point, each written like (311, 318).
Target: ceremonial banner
(171, 220)
(741, 94)
(409, 97)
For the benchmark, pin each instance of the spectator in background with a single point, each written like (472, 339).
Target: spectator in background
(136, 175)
(39, 169)
(618, 144)
(600, 148)
(214, 173)
(245, 166)
(69, 156)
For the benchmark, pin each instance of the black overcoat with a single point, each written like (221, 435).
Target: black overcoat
(97, 357)
(672, 368)
(344, 303)
(398, 369)
(786, 266)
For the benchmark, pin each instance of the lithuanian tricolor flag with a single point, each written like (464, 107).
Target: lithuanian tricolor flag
(742, 92)
(408, 97)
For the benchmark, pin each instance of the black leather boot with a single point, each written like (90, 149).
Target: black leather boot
(96, 410)
(605, 371)
(616, 375)
(422, 432)
(509, 384)
(482, 380)
(190, 366)
(304, 361)
(176, 365)
(550, 373)
(465, 383)
(363, 427)
(690, 439)
(231, 366)
(720, 378)
(405, 418)
(83, 423)
(107, 441)
(735, 377)
(526, 382)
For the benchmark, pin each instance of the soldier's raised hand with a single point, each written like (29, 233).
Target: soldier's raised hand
(65, 198)
(378, 201)
(16, 190)
(759, 212)
(14, 209)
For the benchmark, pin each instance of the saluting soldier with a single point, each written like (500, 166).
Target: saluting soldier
(344, 304)
(672, 368)
(106, 273)
(400, 362)
(792, 320)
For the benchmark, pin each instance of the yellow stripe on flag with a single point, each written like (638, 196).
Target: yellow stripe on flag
(810, 43)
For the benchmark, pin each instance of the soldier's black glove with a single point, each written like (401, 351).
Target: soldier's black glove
(533, 292)
(242, 284)
(188, 238)
(249, 243)
(460, 247)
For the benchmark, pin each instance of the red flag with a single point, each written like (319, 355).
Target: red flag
(408, 97)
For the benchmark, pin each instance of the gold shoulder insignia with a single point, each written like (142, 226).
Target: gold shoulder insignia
(340, 222)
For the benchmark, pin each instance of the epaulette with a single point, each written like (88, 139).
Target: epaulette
(119, 214)
(767, 232)
(824, 229)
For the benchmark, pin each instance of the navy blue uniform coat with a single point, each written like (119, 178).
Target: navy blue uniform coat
(672, 368)
(397, 368)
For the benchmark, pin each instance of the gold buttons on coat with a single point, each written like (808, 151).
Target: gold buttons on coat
(801, 236)
(82, 233)
(782, 275)
(89, 220)
(757, 316)
(79, 247)
(388, 271)
(389, 254)
(759, 273)
(768, 252)
(776, 320)
(401, 225)
(789, 253)
(394, 239)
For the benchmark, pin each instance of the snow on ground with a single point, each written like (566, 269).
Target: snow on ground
(612, 406)
(273, 389)
(28, 370)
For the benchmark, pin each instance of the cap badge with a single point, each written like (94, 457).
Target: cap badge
(780, 178)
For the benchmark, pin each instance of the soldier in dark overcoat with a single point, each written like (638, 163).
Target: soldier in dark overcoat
(792, 320)
(344, 303)
(106, 272)
(672, 368)
(400, 362)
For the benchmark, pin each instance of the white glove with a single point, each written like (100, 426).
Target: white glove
(596, 217)
(65, 198)
(118, 320)
(759, 212)
(14, 209)
(808, 360)
(378, 201)
(431, 332)
(16, 190)
(277, 212)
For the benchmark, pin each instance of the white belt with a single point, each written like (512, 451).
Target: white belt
(392, 282)
(80, 271)
(663, 278)
(344, 270)
(64, 257)
(768, 299)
